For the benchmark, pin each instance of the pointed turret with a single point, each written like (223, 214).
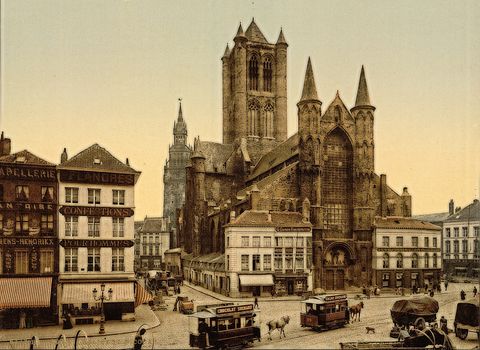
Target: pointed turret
(180, 113)
(180, 127)
(227, 52)
(240, 33)
(363, 99)
(281, 38)
(309, 92)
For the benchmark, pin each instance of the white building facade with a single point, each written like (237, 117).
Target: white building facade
(96, 233)
(406, 253)
(154, 240)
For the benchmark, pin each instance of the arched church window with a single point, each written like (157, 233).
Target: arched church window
(253, 73)
(267, 74)
(268, 121)
(252, 122)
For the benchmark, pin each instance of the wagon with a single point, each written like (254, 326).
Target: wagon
(414, 312)
(467, 318)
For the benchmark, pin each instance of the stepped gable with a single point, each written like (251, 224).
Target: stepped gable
(24, 157)
(97, 158)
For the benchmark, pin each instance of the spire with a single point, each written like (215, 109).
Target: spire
(240, 31)
(179, 126)
(227, 52)
(309, 89)
(281, 38)
(180, 114)
(362, 94)
(253, 33)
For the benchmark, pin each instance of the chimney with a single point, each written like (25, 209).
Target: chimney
(127, 162)
(64, 156)
(254, 197)
(5, 145)
(451, 207)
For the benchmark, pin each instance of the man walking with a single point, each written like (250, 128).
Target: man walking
(255, 303)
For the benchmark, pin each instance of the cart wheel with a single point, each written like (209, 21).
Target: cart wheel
(461, 333)
(420, 323)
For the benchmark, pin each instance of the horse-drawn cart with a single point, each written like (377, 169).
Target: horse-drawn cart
(467, 318)
(416, 312)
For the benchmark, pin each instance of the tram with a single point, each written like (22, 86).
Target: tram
(326, 311)
(223, 327)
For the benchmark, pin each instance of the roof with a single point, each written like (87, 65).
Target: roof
(433, 218)
(266, 181)
(309, 91)
(470, 212)
(216, 155)
(154, 225)
(253, 33)
(281, 38)
(363, 98)
(24, 157)
(397, 222)
(87, 160)
(270, 219)
(212, 258)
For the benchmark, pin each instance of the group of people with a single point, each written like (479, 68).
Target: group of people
(463, 294)
(370, 290)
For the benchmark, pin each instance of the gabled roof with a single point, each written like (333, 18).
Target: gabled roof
(270, 219)
(396, 222)
(253, 33)
(266, 181)
(154, 225)
(97, 158)
(337, 101)
(470, 212)
(24, 157)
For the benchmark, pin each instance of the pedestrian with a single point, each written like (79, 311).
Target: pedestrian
(22, 320)
(446, 285)
(462, 294)
(203, 330)
(255, 304)
(67, 323)
(443, 324)
(474, 291)
(138, 342)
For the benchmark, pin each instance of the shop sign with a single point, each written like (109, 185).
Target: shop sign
(27, 173)
(96, 211)
(27, 241)
(96, 243)
(292, 229)
(26, 206)
(92, 177)
(231, 309)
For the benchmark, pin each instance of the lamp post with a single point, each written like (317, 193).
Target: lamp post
(102, 298)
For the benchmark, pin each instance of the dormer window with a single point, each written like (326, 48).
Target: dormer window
(97, 161)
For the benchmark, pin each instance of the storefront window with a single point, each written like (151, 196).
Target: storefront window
(21, 261)
(46, 261)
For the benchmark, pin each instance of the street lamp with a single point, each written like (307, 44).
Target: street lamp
(102, 298)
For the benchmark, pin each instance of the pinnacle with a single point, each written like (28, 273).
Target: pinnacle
(180, 114)
(363, 99)
(281, 38)
(309, 89)
(240, 31)
(227, 51)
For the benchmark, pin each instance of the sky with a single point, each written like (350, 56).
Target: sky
(74, 73)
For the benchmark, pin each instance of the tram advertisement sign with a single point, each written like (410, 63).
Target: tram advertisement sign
(335, 297)
(230, 309)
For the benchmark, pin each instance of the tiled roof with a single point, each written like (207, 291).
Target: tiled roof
(470, 212)
(403, 223)
(435, 217)
(267, 180)
(107, 162)
(24, 157)
(277, 219)
(216, 154)
(154, 224)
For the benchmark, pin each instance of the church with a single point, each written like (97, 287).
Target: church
(324, 173)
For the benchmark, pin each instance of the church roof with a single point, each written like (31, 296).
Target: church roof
(269, 219)
(397, 222)
(253, 33)
(278, 155)
(24, 157)
(363, 98)
(470, 212)
(260, 185)
(216, 155)
(97, 158)
(309, 91)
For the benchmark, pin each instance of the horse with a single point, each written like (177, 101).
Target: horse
(355, 311)
(279, 324)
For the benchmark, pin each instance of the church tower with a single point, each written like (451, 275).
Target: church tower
(254, 78)
(174, 173)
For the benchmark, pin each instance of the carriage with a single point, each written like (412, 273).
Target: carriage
(223, 327)
(467, 318)
(325, 311)
(416, 312)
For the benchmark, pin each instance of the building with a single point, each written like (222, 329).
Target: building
(96, 231)
(329, 161)
(173, 261)
(461, 241)
(154, 237)
(137, 226)
(28, 239)
(174, 174)
(406, 253)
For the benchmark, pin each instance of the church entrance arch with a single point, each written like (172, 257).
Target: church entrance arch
(338, 266)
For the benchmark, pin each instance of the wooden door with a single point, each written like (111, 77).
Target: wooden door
(340, 280)
(329, 280)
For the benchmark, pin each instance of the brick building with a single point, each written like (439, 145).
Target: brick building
(28, 239)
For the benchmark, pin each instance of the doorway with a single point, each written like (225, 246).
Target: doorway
(256, 291)
(329, 280)
(290, 288)
(340, 282)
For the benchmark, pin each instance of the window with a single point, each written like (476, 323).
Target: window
(93, 226)
(157, 250)
(299, 262)
(447, 246)
(252, 121)
(267, 262)
(256, 241)
(447, 232)
(434, 260)
(267, 74)
(245, 241)
(426, 242)
(118, 225)
(399, 241)
(414, 241)
(386, 241)
(475, 231)
(455, 231)
(288, 261)
(386, 261)
(22, 193)
(253, 73)
(245, 265)
(278, 242)
(21, 261)
(267, 241)
(93, 260)
(414, 261)
(118, 257)
(256, 262)
(71, 226)
(71, 259)
(427, 260)
(399, 261)
(268, 121)
(309, 258)
(227, 262)
(464, 246)
(47, 194)
(455, 247)
(278, 261)
(288, 241)
(1, 195)
(145, 250)
(476, 248)
(300, 242)
(46, 224)
(93, 196)
(46, 261)
(434, 242)
(228, 241)
(71, 194)
(118, 197)
(465, 231)
(21, 224)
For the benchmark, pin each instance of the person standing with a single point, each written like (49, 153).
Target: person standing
(462, 294)
(138, 342)
(474, 291)
(22, 320)
(446, 285)
(255, 305)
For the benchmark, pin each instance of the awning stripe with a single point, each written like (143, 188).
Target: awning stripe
(256, 280)
(25, 292)
(77, 293)
(141, 295)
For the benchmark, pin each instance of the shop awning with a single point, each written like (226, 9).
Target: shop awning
(256, 280)
(141, 295)
(18, 293)
(77, 293)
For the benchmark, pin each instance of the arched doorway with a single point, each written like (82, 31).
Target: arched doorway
(337, 264)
